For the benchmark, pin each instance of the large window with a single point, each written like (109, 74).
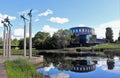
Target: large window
(82, 30)
(73, 30)
(79, 30)
(76, 30)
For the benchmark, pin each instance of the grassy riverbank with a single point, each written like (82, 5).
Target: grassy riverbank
(100, 47)
(21, 68)
(20, 51)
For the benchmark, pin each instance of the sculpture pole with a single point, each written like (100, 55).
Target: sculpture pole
(9, 39)
(23, 17)
(7, 43)
(30, 33)
(24, 39)
(30, 40)
(4, 37)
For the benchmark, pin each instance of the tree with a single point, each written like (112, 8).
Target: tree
(21, 43)
(118, 39)
(64, 37)
(109, 34)
(51, 43)
(92, 39)
(1, 42)
(15, 42)
(39, 39)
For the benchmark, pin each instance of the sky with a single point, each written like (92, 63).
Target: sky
(52, 15)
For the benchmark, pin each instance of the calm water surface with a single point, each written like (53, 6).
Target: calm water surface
(103, 67)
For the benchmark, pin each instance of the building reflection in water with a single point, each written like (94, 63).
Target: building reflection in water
(83, 66)
(75, 65)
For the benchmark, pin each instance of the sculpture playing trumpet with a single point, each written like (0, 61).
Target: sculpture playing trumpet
(30, 33)
(7, 37)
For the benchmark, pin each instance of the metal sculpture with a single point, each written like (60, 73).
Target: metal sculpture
(24, 19)
(30, 33)
(7, 37)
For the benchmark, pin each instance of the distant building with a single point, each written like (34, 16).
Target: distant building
(86, 36)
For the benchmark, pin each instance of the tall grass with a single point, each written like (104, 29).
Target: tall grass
(21, 68)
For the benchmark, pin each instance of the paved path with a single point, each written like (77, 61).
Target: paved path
(3, 73)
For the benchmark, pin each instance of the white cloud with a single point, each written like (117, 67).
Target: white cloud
(59, 20)
(101, 29)
(46, 13)
(37, 19)
(2, 16)
(51, 30)
(48, 68)
(19, 33)
(82, 25)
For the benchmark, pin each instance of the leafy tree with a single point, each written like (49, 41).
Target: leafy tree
(109, 34)
(64, 37)
(51, 43)
(119, 38)
(92, 38)
(21, 43)
(1, 41)
(15, 42)
(74, 40)
(39, 39)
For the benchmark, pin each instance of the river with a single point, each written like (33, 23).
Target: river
(57, 66)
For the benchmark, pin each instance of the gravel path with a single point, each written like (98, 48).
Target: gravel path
(3, 73)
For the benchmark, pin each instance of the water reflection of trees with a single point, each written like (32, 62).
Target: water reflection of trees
(58, 61)
(110, 63)
(65, 64)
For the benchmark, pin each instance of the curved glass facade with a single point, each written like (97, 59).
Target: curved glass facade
(85, 34)
(83, 30)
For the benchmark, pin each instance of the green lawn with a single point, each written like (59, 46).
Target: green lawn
(20, 51)
(107, 46)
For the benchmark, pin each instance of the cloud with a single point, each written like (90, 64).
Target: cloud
(82, 25)
(101, 29)
(46, 13)
(37, 19)
(2, 16)
(51, 30)
(48, 68)
(19, 33)
(59, 20)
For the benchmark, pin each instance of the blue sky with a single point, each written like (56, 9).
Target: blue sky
(51, 15)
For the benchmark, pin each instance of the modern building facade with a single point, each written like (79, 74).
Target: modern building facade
(86, 35)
